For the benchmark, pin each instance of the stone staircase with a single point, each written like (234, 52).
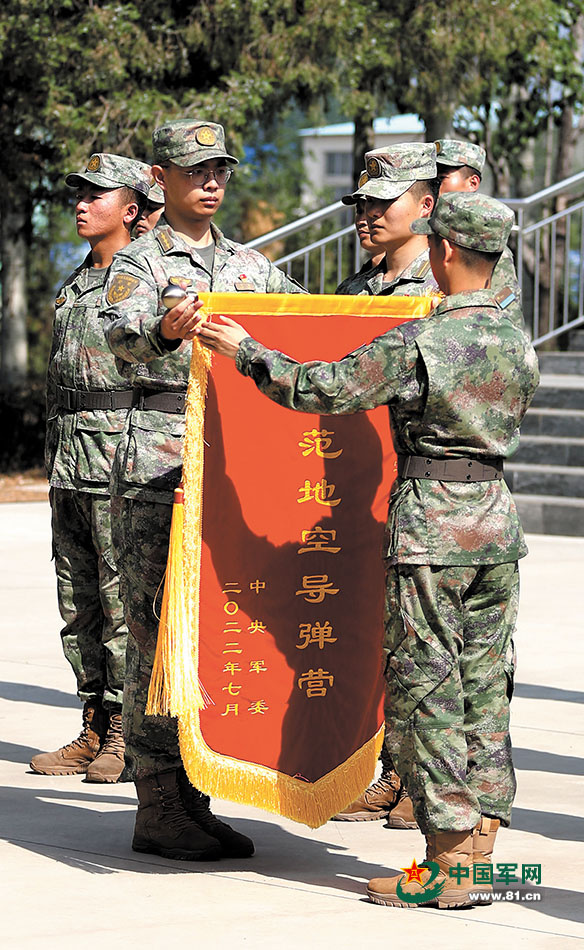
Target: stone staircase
(546, 474)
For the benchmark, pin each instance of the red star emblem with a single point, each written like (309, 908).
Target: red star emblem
(414, 873)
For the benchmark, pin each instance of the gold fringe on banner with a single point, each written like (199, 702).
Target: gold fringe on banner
(247, 783)
(174, 685)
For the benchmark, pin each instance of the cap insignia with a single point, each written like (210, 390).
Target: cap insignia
(373, 168)
(438, 147)
(206, 136)
(363, 178)
(93, 164)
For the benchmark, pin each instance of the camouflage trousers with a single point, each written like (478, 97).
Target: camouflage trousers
(94, 635)
(447, 637)
(141, 532)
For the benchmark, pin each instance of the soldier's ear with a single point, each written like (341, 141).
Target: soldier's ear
(426, 206)
(447, 251)
(131, 214)
(158, 173)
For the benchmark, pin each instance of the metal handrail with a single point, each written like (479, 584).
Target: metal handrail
(294, 226)
(552, 290)
(549, 192)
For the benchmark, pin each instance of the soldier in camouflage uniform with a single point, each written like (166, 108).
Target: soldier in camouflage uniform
(151, 213)
(398, 185)
(374, 253)
(457, 385)
(460, 167)
(192, 166)
(87, 402)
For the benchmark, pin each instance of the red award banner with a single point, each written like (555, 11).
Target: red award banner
(290, 591)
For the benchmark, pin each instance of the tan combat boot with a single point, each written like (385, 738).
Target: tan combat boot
(402, 814)
(109, 761)
(431, 886)
(375, 802)
(483, 842)
(233, 843)
(163, 825)
(75, 758)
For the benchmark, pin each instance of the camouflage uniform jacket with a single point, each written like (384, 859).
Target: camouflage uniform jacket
(149, 461)
(457, 385)
(80, 446)
(416, 280)
(504, 275)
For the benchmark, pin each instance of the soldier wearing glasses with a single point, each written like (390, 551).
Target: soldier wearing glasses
(153, 351)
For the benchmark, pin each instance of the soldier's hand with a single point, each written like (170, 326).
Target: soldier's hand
(180, 322)
(223, 337)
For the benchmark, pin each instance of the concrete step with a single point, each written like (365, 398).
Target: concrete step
(570, 362)
(553, 422)
(545, 514)
(559, 480)
(559, 392)
(554, 450)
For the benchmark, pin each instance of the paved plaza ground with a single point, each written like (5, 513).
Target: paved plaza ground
(70, 879)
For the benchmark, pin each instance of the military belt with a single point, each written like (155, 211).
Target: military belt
(449, 470)
(75, 400)
(160, 402)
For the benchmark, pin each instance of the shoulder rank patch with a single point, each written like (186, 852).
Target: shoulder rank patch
(421, 271)
(121, 287)
(164, 239)
(505, 297)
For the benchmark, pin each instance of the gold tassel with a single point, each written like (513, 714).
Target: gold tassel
(250, 784)
(174, 685)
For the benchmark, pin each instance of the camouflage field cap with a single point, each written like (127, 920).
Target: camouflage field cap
(469, 219)
(454, 153)
(187, 142)
(391, 170)
(353, 199)
(113, 171)
(156, 195)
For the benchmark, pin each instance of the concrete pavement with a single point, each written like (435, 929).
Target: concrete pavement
(70, 878)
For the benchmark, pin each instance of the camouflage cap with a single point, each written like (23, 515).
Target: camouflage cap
(156, 195)
(391, 170)
(113, 171)
(187, 142)
(353, 199)
(469, 219)
(454, 153)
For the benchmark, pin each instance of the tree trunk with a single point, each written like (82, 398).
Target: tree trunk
(14, 231)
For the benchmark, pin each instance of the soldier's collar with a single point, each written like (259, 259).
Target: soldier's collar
(418, 269)
(468, 298)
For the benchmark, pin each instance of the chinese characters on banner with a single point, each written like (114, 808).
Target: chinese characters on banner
(291, 589)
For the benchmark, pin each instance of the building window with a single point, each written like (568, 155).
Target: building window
(339, 163)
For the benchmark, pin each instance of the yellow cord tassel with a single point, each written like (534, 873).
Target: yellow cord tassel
(174, 685)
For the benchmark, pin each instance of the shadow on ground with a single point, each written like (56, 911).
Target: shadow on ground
(91, 831)
(25, 693)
